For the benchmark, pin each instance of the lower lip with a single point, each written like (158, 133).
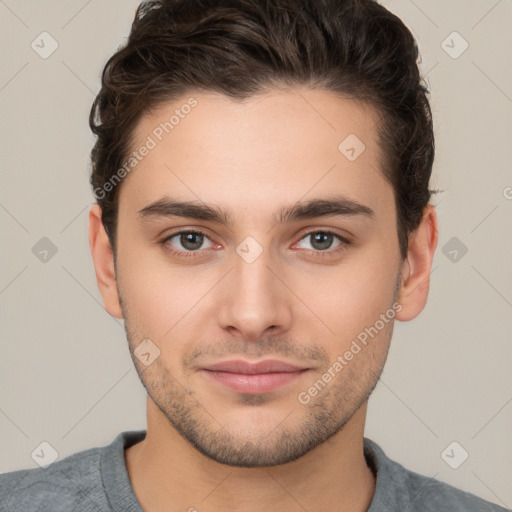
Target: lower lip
(253, 383)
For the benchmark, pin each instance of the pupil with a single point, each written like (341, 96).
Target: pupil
(322, 240)
(191, 241)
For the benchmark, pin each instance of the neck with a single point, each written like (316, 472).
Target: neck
(167, 472)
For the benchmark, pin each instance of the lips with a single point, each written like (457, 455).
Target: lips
(245, 367)
(252, 378)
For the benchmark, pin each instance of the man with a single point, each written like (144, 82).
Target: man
(263, 218)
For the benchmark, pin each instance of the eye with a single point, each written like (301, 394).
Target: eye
(192, 243)
(322, 241)
(187, 241)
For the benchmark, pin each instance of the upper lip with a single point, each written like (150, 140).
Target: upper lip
(265, 366)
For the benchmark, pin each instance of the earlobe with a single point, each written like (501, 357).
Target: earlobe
(417, 266)
(103, 260)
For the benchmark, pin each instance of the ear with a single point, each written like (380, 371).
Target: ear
(103, 259)
(417, 266)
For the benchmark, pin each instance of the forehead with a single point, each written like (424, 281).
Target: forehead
(276, 147)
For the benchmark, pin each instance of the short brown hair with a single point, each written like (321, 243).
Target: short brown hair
(239, 48)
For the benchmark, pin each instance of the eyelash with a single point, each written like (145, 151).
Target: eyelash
(326, 253)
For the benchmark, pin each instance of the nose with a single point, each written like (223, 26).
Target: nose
(254, 302)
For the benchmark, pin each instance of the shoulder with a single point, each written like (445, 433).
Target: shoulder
(398, 488)
(431, 495)
(73, 483)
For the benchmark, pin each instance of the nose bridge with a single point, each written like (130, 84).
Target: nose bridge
(254, 299)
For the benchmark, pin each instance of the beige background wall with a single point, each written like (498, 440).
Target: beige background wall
(65, 373)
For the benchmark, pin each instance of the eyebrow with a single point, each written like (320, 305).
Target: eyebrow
(339, 205)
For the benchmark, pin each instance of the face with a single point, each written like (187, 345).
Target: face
(248, 234)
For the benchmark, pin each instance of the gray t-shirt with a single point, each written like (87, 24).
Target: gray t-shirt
(96, 480)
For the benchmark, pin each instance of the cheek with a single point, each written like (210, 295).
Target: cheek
(353, 295)
(146, 287)
(162, 300)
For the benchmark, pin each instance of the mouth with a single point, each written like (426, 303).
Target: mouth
(253, 378)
